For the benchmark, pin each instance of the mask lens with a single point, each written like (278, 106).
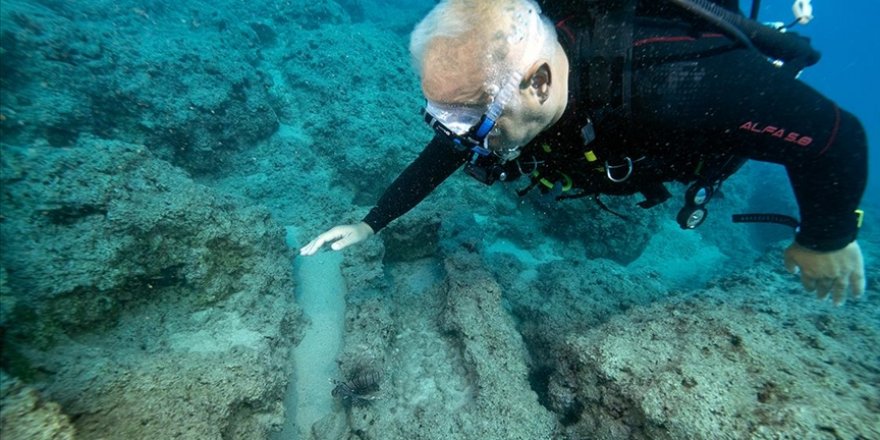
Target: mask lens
(459, 119)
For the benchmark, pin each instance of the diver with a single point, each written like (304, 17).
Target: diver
(637, 93)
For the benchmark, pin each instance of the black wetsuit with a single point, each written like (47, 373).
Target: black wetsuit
(696, 97)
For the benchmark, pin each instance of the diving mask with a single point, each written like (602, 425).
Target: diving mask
(468, 130)
(468, 127)
(458, 119)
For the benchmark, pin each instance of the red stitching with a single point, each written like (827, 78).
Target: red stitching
(662, 40)
(672, 39)
(561, 25)
(833, 131)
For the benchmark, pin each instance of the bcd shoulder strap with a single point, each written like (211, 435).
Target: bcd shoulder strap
(606, 57)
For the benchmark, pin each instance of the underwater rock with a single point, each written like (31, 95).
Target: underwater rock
(192, 95)
(743, 358)
(25, 415)
(559, 299)
(603, 234)
(146, 305)
(7, 301)
(365, 120)
(493, 354)
(411, 238)
(453, 366)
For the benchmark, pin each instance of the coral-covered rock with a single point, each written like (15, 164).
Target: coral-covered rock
(744, 360)
(493, 355)
(146, 305)
(180, 80)
(25, 415)
(366, 119)
(454, 366)
(603, 234)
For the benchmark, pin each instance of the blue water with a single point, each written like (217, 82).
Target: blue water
(162, 163)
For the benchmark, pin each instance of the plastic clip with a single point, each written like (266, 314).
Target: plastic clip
(629, 170)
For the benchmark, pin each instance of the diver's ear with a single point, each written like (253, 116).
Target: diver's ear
(539, 81)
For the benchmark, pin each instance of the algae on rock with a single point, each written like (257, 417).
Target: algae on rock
(141, 295)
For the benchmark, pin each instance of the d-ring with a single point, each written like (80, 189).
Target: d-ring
(629, 170)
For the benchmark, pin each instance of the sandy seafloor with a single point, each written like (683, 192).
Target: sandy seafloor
(161, 161)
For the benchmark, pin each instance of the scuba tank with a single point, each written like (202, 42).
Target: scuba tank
(790, 48)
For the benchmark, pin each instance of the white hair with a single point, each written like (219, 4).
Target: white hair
(488, 41)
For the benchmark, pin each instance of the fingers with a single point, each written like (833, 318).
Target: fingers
(353, 234)
(312, 247)
(823, 286)
(857, 282)
(319, 241)
(808, 282)
(838, 290)
(837, 287)
(342, 236)
(833, 273)
(790, 264)
(344, 242)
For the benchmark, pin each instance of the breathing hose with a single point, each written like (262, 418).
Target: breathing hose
(756, 6)
(787, 47)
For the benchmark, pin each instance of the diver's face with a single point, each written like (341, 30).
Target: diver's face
(538, 102)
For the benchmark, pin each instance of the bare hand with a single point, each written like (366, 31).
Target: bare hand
(833, 272)
(342, 236)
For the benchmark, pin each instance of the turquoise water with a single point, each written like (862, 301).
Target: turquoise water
(161, 163)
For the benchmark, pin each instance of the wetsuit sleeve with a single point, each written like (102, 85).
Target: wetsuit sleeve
(737, 103)
(437, 161)
(829, 185)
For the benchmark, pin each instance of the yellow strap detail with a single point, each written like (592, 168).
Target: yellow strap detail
(591, 157)
(568, 182)
(860, 215)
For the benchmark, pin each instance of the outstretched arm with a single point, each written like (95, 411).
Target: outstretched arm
(824, 151)
(828, 186)
(436, 162)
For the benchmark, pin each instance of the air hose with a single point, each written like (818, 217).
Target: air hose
(779, 219)
(788, 47)
(756, 6)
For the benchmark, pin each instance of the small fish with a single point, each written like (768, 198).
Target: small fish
(359, 389)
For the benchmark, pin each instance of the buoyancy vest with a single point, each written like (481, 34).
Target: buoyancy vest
(593, 150)
(588, 153)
